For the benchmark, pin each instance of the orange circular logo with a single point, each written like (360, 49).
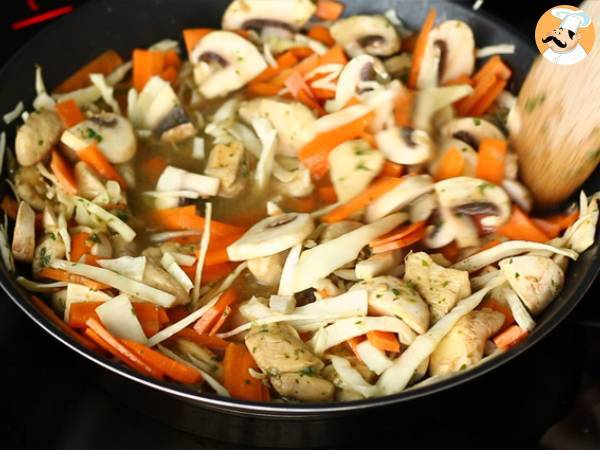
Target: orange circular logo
(565, 35)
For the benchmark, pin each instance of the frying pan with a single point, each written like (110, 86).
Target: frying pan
(123, 25)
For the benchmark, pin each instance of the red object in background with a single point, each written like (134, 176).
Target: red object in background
(40, 17)
(33, 5)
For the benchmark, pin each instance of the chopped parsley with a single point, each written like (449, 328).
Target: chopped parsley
(45, 257)
(483, 186)
(122, 215)
(308, 371)
(424, 263)
(362, 166)
(90, 133)
(41, 142)
(95, 238)
(477, 122)
(396, 292)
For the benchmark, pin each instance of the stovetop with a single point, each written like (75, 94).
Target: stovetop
(549, 397)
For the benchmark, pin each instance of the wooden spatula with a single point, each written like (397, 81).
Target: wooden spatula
(556, 127)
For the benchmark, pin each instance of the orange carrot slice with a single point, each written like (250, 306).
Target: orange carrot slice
(210, 317)
(146, 64)
(213, 342)
(192, 36)
(93, 156)
(520, 226)
(490, 160)
(419, 52)
(104, 64)
(329, 9)
(69, 113)
(392, 169)
(384, 340)
(510, 337)
(451, 165)
(487, 100)
(327, 194)
(236, 377)
(321, 34)
(398, 233)
(63, 172)
(402, 242)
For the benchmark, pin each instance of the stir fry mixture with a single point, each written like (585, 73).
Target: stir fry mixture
(300, 207)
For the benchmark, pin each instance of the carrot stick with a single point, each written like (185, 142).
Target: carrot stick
(392, 169)
(490, 160)
(327, 194)
(153, 167)
(112, 344)
(461, 79)
(403, 242)
(314, 154)
(175, 370)
(495, 305)
(172, 59)
(550, 229)
(81, 312)
(148, 316)
(217, 250)
(210, 317)
(10, 206)
(205, 340)
(510, 337)
(375, 190)
(304, 204)
(420, 45)
(104, 64)
(236, 378)
(185, 218)
(263, 89)
(403, 108)
(490, 244)
(169, 74)
(219, 323)
(335, 55)
(163, 317)
(61, 275)
(63, 172)
(553, 225)
(321, 34)
(96, 159)
(69, 113)
(465, 105)
(398, 233)
(301, 91)
(329, 9)
(353, 343)
(450, 251)
(146, 64)
(487, 100)
(493, 66)
(177, 313)
(521, 227)
(284, 61)
(79, 245)
(51, 315)
(451, 165)
(192, 36)
(301, 52)
(384, 340)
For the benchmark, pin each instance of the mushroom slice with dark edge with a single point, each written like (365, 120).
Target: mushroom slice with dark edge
(404, 145)
(359, 69)
(463, 346)
(373, 35)
(40, 132)
(227, 162)
(23, 244)
(289, 15)
(224, 62)
(471, 130)
(450, 52)
(175, 126)
(113, 134)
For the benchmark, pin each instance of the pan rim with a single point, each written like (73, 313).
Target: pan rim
(283, 410)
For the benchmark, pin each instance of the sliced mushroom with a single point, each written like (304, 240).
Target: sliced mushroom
(422, 208)
(519, 194)
(101, 245)
(468, 196)
(536, 280)
(337, 229)
(390, 296)
(37, 136)
(227, 163)
(440, 233)
(290, 15)
(23, 243)
(449, 53)
(405, 145)
(353, 165)
(399, 197)
(51, 247)
(441, 288)
(234, 61)
(360, 68)
(277, 349)
(267, 269)
(175, 179)
(271, 235)
(431, 100)
(112, 133)
(373, 35)
(158, 278)
(304, 387)
(463, 346)
(175, 126)
(89, 183)
(31, 187)
(471, 130)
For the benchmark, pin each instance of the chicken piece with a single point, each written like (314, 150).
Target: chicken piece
(51, 247)
(227, 163)
(31, 187)
(337, 229)
(89, 182)
(121, 247)
(23, 244)
(441, 288)
(392, 297)
(300, 184)
(304, 387)
(37, 136)
(159, 278)
(201, 355)
(277, 349)
(267, 269)
(463, 346)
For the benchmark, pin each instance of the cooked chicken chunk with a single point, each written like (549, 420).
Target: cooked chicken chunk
(226, 162)
(303, 387)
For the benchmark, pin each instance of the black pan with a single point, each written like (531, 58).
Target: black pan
(124, 25)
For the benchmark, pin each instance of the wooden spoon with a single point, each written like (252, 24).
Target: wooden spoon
(556, 125)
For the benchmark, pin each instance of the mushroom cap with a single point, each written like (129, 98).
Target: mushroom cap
(246, 14)
(23, 243)
(405, 145)
(449, 53)
(373, 35)
(239, 59)
(536, 280)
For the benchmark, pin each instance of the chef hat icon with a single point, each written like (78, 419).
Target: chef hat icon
(572, 19)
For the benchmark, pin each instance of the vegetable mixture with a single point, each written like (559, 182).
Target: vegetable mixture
(296, 207)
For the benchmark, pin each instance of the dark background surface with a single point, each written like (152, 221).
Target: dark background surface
(547, 398)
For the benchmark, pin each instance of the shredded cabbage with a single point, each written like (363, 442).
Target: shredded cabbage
(10, 116)
(204, 241)
(5, 250)
(106, 91)
(268, 138)
(118, 316)
(498, 49)
(113, 222)
(287, 273)
(128, 266)
(170, 265)
(375, 359)
(34, 286)
(2, 149)
(198, 151)
(351, 378)
(518, 310)
(168, 235)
